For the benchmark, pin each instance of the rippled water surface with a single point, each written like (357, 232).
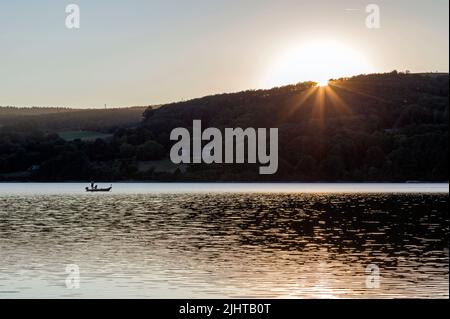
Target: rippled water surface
(192, 245)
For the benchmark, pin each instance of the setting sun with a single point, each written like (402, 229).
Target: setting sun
(317, 61)
(322, 83)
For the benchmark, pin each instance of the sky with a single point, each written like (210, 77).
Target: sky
(148, 52)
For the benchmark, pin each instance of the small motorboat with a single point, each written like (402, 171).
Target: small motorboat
(95, 189)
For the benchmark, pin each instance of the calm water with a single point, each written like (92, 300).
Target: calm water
(225, 240)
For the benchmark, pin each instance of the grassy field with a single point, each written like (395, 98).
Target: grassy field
(83, 135)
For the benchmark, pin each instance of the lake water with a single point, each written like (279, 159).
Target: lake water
(225, 240)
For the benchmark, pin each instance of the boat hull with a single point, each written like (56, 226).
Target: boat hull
(98, 190)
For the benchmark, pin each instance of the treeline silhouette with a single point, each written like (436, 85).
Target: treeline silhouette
(378, 127)
(58, 119)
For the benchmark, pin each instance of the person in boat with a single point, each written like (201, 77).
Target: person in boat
(93, 186)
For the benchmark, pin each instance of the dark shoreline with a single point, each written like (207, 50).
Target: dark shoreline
(224, 182)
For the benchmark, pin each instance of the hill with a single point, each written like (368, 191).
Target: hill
(377, 127)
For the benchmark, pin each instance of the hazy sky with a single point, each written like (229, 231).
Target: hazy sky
(141, 52)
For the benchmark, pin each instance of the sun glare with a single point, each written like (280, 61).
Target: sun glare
(317, 61)
(322, 83)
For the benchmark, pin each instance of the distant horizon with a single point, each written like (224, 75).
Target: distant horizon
(192, 98)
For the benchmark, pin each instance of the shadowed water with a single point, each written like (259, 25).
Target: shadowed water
(191, 245)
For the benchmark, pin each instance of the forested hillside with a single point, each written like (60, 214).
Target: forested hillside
(380, 127)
